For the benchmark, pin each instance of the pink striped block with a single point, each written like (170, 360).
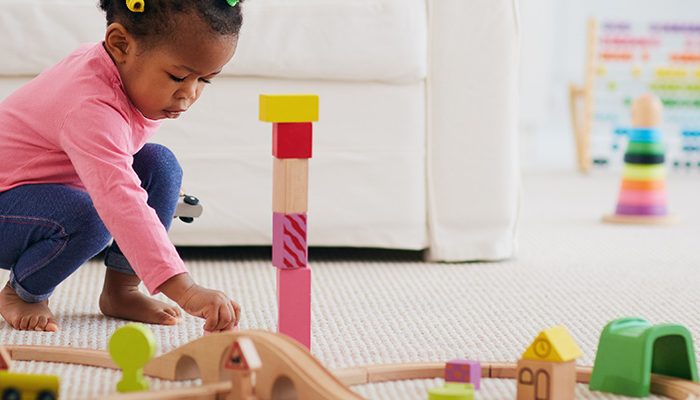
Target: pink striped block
(289, 248)
(642, 197)
(294, 304)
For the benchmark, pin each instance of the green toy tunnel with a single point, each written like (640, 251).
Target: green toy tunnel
(631, 349)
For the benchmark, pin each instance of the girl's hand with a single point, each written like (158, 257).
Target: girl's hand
(219, 312)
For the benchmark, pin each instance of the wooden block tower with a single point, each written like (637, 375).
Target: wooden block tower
(642, 198)
(292, 116)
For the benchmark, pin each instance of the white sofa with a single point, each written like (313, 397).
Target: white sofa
(416, 144)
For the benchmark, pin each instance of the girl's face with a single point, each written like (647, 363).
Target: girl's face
(164, 81)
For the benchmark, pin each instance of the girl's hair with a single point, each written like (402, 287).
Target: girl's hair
(157, 21)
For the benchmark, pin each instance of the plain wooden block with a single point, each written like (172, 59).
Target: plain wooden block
(292, 139)
(290, 185)
(289, 247)
(294, 304)
(288, 107)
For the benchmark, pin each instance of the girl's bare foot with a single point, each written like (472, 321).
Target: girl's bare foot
(121, 298)
(26, 316)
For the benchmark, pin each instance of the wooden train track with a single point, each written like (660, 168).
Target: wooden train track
(673, 388)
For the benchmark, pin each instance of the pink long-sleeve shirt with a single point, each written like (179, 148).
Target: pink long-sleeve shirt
(75, 125)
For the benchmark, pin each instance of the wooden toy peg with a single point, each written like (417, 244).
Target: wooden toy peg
(132, 347)
(646, 111)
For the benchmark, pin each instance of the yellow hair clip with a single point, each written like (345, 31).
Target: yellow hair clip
(135, 5)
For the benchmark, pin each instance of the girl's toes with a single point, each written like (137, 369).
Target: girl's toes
(51, 326)
(41, 323)
(24, 323)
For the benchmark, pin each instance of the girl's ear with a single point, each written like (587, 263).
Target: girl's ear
(119, 42)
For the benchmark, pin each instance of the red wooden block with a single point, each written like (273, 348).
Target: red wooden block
(292, 139)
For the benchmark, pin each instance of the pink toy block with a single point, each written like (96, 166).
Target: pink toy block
(289, 248)
(465, 371)
(294, 304)
(292, 139)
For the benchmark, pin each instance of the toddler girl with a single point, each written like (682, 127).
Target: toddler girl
(75, 169)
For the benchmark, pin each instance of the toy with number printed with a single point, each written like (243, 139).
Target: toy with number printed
(78, 172)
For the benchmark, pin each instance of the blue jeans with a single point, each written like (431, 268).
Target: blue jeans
(47, 231)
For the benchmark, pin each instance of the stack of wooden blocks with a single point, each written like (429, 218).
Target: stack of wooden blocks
(292, 116)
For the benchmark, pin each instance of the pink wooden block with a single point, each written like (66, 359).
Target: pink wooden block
(294, 304)
(289, 248)
(292, 139)
(463, 371)
(642, 197)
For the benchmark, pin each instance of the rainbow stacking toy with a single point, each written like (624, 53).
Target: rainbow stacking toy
(642, 198)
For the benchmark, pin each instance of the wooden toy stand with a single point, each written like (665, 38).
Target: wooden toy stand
(581, 101)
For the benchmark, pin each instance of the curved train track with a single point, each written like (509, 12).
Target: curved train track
(309, 376)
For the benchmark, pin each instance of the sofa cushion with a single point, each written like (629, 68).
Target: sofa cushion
(369, 40)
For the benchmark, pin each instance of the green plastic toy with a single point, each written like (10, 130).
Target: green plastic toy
(631, 349)
(452, 391)
(131, 347)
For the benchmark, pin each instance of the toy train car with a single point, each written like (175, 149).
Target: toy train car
(15, 386)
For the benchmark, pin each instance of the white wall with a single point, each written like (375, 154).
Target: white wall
(554, 40)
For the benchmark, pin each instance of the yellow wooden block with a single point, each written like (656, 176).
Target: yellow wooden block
(290, 185)
(288, 107)
(553, 344)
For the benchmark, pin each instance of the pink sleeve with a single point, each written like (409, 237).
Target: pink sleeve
(96, 139)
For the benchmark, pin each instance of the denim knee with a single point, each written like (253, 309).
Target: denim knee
(160, 163)
(90, 230)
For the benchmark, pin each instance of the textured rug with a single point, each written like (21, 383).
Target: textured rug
(384, 307)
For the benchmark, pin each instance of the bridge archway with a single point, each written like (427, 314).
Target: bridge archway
(283, 389)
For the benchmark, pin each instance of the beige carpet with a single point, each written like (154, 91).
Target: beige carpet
(380, 307)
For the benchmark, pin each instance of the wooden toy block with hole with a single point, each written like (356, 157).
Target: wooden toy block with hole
(289, 247)
(288, 107)
(294, 304)
(290, 185)
(292, 139)
(463, 371)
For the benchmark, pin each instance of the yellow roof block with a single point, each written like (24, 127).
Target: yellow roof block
(553, 344)
(288, 107)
